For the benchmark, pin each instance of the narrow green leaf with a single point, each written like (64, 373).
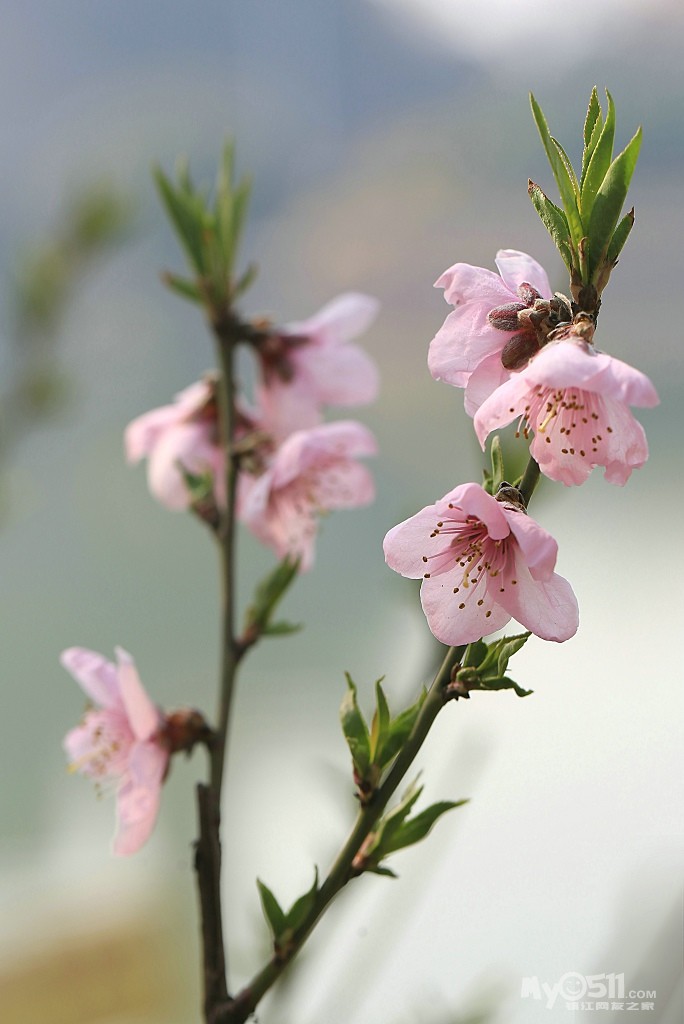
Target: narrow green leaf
(417, 828)
(355, 729)
(182, 286)
(599, 163)
(382, 870)
(593, 115)
(586, 156)
(273, 912)
(506, 647)
(567, 186)
(620, 236)
(554, 220)
(183, 216)
(400, 730)
(609, 201)
(245, 280)
(504, 683)
(475, 654)
(270, 592)
(496, 455)
(300, 909)
(380, 724)
(281, 628)
(394, 820)
(568, 167)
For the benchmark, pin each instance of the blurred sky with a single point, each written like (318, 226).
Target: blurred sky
(387, 139)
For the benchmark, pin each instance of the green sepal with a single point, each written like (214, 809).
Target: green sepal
(599, 162)
(187, 217)
(565, 178)
(555, 222)
(355, 730)
(608, 204)
(268, 594)
(484, 666)
(273, 912)
(506, 647)
(475, 654)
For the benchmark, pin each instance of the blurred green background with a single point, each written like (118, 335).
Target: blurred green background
(387, 140)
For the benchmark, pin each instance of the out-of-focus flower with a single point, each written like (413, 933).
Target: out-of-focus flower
(496, 317)
(183, 434)
(121, 738)
(311, 363)
(482, 562)
(310, 473)
(576, 400)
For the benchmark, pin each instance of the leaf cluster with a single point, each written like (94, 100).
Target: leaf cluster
(485, 667)
(209, 231)
(373, 749)
(586, 228)
(284, 924)
(398, 829)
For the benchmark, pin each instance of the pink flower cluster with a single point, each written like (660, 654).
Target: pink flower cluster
(297, 467)
(515, 349)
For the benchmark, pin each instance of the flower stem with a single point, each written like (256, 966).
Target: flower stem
(208, 845)
(530, 480)
(237, 1010)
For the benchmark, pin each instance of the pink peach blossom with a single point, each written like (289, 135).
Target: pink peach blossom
(466, 351)
(482, 561)
(311, 472)
(311, 364)
(576, 400)
(120, 738)
(185, 434)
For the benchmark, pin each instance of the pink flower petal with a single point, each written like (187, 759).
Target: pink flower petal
(463, 283)
(546, 607)
(340, 320)
(97, 677)
(138, 797)
(343, 375)
(190, 446)
(142, 713)
(517, 268)
(458, 618)
(538, 547)
(475, 501)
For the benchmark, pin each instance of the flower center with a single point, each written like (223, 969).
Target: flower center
(575, 419)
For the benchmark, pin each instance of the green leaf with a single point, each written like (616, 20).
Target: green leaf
(567, 185)
(555, 222)
(417, 828)
(185, 218)
(586, 156)
(506, 647)
(599, 162)
(568, 167)
(609, 201)
(620, 236)
(400, 730)
(380, 724)
(475, 654)
(281, 628)
(301, 908)
(200, 485)
(245, 280)
(504, 683)
(269, 592)
(183, 287)
(273, 912)
(382, 870)
(355, 729)
(496, 455)
(593, 116)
